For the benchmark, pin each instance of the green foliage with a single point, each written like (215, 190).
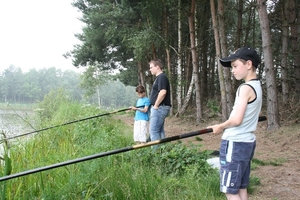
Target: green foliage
(261, 162)
(114, 95)
(92, 78)
(198, 138)
(213, 106)
(254, 182)
(128, 76)
(118, 32)
(103, 38)
(65, 143)
(176, 159)
(5, 164)
(174, 171)
(30, 87)
(52, 103)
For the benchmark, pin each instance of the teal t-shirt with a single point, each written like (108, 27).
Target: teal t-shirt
(141, 115)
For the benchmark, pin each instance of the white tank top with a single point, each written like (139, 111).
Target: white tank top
(245, 131)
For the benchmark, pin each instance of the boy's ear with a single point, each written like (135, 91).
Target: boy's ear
(249, 64)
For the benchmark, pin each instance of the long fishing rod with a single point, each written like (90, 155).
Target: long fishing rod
(116, 151)
(67, 123)
(112, 152)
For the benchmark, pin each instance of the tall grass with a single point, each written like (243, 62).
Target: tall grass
(173, 172)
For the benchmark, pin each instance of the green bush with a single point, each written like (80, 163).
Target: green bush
(49, 107)
(174, 159)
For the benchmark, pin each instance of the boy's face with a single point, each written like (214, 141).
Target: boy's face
(240, 69)
(140, 95)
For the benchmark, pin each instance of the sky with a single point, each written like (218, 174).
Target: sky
(36, 33)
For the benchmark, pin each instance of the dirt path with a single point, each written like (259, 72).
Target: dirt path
(279, 150)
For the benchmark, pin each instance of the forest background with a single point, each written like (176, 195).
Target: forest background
(120, 37)
(190, 37)
(17, 87)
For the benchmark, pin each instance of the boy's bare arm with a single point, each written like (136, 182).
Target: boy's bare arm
(245, 95)
(145, 109)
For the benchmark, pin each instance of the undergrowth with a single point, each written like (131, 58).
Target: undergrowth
(173, 171)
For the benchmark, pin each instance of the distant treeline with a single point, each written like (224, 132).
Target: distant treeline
(32, 86)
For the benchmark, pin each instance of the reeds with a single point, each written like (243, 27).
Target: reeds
(173, 172)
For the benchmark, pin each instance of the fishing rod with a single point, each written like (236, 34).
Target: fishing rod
(67, 123)
(116, 151)
(112, 152)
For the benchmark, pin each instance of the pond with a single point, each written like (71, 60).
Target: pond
(15, 122)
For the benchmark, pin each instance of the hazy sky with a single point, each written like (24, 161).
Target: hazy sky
(35, 33)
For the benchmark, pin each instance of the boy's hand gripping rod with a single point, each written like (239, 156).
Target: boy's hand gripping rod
(116, 151)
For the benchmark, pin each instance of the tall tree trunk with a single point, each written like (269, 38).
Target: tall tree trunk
(141, 74)
(98, 96)
(297, 67)
(239, 34)
(188, 71)
(166, 32)
(249, 27)
(153, 51)
(191, 20)
(218, 53)
(187, 99)
(212, 71)
(294, 24)
(224, 53)
(204, 72)
(171, 80)
(204, 50)
(239, 25)
(179, 60)
(284, 52)
(272, 100)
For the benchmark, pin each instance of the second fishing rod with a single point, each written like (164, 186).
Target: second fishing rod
(67, 123)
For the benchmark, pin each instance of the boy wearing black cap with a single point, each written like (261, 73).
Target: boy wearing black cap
(238, 139)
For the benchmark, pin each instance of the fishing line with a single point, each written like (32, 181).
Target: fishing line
(67, 123)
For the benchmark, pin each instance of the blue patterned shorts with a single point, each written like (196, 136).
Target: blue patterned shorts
(235, 160)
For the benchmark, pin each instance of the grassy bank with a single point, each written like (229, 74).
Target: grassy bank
(173, 172)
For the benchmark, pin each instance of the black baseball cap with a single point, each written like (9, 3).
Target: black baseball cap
(245, 53)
